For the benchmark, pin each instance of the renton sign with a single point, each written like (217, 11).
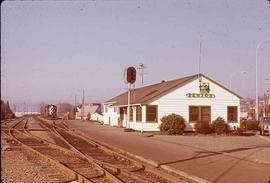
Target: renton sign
(200, 95)
(204, 92)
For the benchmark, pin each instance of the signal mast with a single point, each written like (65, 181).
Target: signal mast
(130, 78)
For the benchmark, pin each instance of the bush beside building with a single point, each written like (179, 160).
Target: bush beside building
(172, 124)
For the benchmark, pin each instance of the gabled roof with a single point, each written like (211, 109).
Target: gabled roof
(99, 110)
(90, 108)
(149, 93)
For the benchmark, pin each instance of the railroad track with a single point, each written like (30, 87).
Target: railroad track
(72, 165)
(82, 159)
(127, 169)
(124, 168)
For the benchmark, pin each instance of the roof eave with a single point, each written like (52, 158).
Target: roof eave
(220, 85)
(125, 105)
(168, 91)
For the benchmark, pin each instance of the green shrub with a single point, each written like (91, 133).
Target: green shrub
(203, 127)
(238, 132)
(251, 125)
(220, 126)
(172, 124)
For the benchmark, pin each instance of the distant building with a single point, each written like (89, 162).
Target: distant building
(195, 98)
(247, 108)
(90, 111)
(20, 114)
(243, 109)
(97, 115)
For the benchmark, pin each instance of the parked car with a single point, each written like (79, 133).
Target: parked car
(264, 125)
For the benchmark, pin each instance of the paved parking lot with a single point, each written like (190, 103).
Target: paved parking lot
(213, 158)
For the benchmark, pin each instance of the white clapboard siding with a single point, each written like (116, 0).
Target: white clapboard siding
(177, 102)
(110, 117)
(96, 117)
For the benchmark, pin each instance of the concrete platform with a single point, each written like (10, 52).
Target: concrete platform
(212, 158)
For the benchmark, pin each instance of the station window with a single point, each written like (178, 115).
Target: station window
(193, 114)
(151, 113)
(138, 113)
(232, 114)
(199, 113)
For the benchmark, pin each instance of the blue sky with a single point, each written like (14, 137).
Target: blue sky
(52, 50)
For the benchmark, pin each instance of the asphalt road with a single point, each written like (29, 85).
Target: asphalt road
(213, 158)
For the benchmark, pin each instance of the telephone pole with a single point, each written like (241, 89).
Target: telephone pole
(83, 106)
(200, 60)
(142, 67)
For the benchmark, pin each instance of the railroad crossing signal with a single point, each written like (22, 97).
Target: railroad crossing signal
(130, 75)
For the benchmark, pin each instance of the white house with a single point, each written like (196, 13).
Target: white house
(97, 115)
(89, 112)
(195, 98)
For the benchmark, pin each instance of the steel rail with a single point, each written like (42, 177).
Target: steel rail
(57, 134)
(63, 168)
(107, 173)
(125, 172)
(148, 174)
(101, 164)
(147, 169)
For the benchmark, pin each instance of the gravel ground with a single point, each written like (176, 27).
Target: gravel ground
(19, 167)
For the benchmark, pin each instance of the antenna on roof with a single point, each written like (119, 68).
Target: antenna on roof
(200, 59)
(142, 67)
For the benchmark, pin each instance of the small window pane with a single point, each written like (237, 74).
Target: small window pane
(205, 114)
(151, 113)
(232, 113)
(193, 114)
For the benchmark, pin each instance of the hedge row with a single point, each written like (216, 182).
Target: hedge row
(218, 126)
(174, 124)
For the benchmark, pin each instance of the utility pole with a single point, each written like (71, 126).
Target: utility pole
(256, 84)
(83, 106)
(75, 108)
(142, 67)
(200, 60)
(14, 108)
(128, 107)
(24, 108)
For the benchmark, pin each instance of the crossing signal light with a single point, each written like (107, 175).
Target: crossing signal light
(131, 75)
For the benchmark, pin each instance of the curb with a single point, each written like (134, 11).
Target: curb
(149, 162)
(184, 174)
(263, 137)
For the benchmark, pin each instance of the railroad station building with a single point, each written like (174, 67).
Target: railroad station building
(195, 98)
